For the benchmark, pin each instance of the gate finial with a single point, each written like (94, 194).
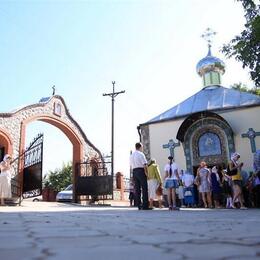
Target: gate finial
(53, 90)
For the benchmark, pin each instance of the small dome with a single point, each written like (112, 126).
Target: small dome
(210, 63)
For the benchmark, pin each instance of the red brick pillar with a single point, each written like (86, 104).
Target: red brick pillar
(120, 184)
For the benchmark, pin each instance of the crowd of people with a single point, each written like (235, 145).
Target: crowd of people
(220, 186)
(217, 187)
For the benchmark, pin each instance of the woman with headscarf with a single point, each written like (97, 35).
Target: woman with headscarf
(5, 179)
(154, 181)
(205, 185)
(234, 170)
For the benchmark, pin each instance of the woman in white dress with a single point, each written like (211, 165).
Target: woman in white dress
(5, 179)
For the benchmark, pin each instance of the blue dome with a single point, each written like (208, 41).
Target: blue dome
(210, 63)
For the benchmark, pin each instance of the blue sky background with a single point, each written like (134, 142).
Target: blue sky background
(149, 47)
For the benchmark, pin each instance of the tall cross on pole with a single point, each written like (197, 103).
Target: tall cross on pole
(113, 95)
(208, 36)
(171, 146)
(251, 134)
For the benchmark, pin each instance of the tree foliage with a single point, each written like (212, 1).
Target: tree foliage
(59, 179)
(246, 46)
(244, 88)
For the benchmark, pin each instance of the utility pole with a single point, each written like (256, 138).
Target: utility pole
(113, 95)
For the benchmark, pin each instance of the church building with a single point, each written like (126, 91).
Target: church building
(208, 126)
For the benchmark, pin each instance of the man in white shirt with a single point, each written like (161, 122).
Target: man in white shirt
(138, 164)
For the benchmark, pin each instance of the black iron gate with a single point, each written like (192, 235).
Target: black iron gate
(94, 180)
(32, 173)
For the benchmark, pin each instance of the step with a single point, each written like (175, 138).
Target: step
(12, 201)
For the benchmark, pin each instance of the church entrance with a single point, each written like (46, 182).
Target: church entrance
(206, 137)
(30, 168)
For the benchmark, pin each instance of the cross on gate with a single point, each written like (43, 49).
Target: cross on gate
(251, 134)
(171, 146)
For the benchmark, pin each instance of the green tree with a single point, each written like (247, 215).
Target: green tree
(59, 179)
(242, 87)
(246, 46)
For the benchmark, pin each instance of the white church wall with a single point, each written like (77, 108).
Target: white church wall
(240, 121)
(160, 134)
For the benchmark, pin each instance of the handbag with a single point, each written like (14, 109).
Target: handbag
(159, 191)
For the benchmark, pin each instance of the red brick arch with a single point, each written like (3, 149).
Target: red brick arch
(53, 111)
(6, 141)
(65, 128)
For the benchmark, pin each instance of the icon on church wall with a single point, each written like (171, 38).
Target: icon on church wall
(57, 109)
(209, 144)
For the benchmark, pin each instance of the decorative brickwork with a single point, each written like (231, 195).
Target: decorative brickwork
(52, 110)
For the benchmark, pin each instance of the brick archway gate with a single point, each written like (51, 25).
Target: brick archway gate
(52, 110)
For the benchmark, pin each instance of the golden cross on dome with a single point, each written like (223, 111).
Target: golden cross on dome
(208, 36)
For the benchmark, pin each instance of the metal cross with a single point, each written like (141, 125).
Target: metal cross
(251, 134)
(208, 36)
(53, 90)
(171, 146)
(113, 95)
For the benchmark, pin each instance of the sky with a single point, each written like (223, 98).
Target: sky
(150, 48)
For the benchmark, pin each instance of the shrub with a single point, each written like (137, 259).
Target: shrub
(59, 179)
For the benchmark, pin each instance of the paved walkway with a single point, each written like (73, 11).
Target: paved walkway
(41, 230)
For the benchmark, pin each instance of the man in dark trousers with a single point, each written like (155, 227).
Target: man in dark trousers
(139, 166)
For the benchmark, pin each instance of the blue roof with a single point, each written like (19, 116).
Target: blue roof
(44, 99)
(209, 99)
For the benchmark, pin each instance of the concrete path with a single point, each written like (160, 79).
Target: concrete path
(41, 230)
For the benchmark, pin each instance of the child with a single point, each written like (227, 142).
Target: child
(188, 183)
(227, 190)
(180, 191)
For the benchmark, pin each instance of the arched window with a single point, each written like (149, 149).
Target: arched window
(209, 144)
